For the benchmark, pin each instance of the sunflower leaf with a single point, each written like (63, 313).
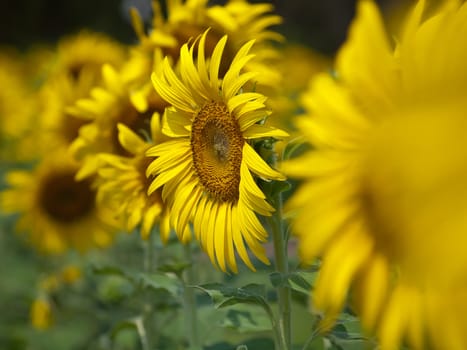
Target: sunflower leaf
(115, 271)
(302, 281)
(246, 319)
(277, 279)
(299, 281)
(223, 296)
(158, 281)
(175, 267)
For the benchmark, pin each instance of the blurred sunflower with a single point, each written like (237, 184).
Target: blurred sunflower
(240, 20)
(384, 195)
(205, 170)
(75, 68)
(42, 307)
(41, 314)
(57, 127)
(81, 56)
(108, 106)
(122, 183)
(56, 212)
(17, 106)
(299, 64)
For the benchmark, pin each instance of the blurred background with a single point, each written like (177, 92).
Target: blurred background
(321, 24)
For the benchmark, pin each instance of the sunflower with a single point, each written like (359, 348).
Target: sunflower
(17, 107)
(81, 56)
(122, 182)
(240, 20)
(205, 169)
(110, 104)
(41, 313)
(299, 64)
(57, 127)
(56, 212)
(74, 69)
(384, 190)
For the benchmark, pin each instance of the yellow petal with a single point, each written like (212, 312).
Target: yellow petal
(256, 164)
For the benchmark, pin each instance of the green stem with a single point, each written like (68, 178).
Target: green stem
(148, 253)
(281, 260)
(189, 302)
(147, 312)
(142, 334)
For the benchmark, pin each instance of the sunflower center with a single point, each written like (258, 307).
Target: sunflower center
(415, 192)
(216, 144)
(64, 199)
(70, 129)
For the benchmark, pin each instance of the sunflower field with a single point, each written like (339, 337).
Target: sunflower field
(233, 175)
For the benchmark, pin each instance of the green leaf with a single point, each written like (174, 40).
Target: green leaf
(247, 320)
(108, 270)
(277, 279)
(294, 148)
(299, 281)
(250, 344)
(122, 326)
(158, 281)
(279, 186)
(302, 281)
(114, 288)
(222, 296)
(175, 267)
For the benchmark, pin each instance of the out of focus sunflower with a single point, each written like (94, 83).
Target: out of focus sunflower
(56, 212)
(205, 170)
(108, 106)
(240, 20)
(122, 183)
(82, 55)
(41, 313)
(17, 106)
(384, 195)
(75, 69)
(298, 64)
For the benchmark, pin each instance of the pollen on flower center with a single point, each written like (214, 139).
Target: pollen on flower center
(216, 144)
(64, 199)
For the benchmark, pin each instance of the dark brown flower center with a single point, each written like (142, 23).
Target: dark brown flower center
(216, 144)
(64, 199)
(138, 122)
(70, 128)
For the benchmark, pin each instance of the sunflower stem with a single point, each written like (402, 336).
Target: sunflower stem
(148, 253)
(281, 263)
(189, 301)
(146, 319)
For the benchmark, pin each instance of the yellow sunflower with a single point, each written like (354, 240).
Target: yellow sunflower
(41, 313)
(56, 212)
(383, 200)
(82, 55)
(18, 103)
(205, 169)
(240, 20)
(123, 185)
(74, 69)
(109, 105)
(57, 127)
